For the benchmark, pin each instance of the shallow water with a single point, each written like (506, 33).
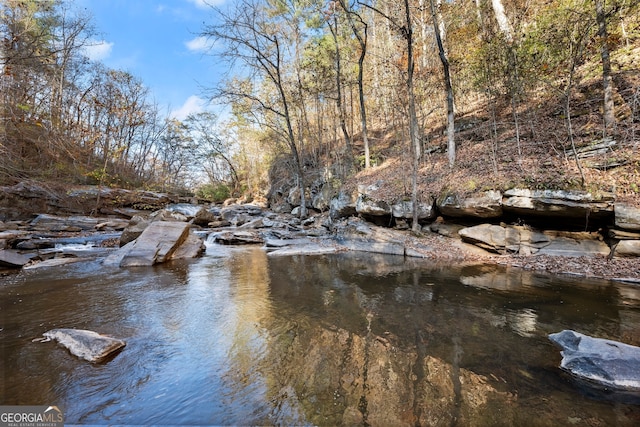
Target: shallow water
(241, 338)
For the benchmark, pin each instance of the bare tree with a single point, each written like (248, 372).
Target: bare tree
(252, 37)
(332, 22)
(607, 82)
(438, 29)
(360, 31)
(405, 28)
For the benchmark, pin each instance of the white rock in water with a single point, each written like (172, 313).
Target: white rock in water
(610, 364)
(87, 345)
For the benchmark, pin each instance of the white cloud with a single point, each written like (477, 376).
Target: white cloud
(98, 50)
(205, 4)
(199, 44)
(194, 104)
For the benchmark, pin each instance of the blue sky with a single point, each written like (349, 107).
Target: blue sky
(157, 41)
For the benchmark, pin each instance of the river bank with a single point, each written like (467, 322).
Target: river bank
(37, 240)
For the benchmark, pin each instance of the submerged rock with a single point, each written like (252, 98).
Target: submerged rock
(87, 345)
(610, 364)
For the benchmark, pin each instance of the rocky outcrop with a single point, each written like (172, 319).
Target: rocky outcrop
(368, 206)
(87, 345)
(627, 217)
(10, 238)
(600, 362)
(44, 222)
(321, 200)
(363, 237)
(524, 241)
(484, 205)
(557, 203)
(342, 206)
(20, 201)
(404, 210)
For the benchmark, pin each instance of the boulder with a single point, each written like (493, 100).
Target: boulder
(87, 345)
(204, 217)
(404, 209)
(344, 205)
(484, 205)
(159, 242)
(156, 244)
(600, 362)
(445, 229)
(168, 215)
(531, 241)
(240, 214)
(627, 217)
(192, 247)
(494, 238)
(187, 209)
(136, 226)
(322, 199)
(294, 197)
(558, 203)
(365, 205)
(627, 248)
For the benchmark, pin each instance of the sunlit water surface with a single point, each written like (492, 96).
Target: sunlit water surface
(241, 338)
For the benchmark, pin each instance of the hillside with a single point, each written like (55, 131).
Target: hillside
(489, 157)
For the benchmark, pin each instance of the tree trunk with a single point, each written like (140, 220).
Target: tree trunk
(339, 100)
(607, 83)
(362, 38)
(413, 119)
(503, 21)
(438, 28)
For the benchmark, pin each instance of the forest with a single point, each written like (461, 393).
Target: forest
(424, 96)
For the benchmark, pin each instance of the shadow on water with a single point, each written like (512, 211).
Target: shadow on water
(239, 337)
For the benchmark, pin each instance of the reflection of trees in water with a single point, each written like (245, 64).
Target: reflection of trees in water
(402, 346)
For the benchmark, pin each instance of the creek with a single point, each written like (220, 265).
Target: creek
(238, 337)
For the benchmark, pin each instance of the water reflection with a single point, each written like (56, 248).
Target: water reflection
(238, 337)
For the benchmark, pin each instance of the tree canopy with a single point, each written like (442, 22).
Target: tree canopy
(322, 90)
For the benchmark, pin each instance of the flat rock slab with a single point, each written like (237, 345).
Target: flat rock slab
(54, 262)
(246, 237)
(608, 364)
(12, 259)
(87, 345)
